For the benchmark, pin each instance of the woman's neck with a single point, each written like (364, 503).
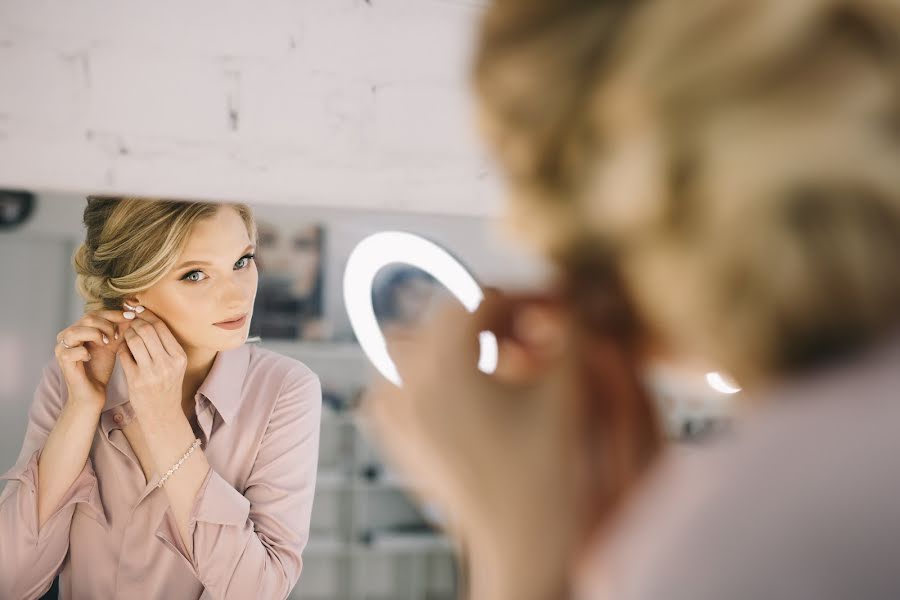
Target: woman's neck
(199, 364)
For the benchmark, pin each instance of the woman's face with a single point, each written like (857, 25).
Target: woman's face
(213, 281)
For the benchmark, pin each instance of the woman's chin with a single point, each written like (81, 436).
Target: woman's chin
(234, 342)
(227, 342)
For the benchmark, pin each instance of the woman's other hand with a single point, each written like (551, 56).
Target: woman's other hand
(88, 363)
(154, 364)
(501, 455)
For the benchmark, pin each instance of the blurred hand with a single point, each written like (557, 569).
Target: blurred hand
(502, 455)
(88, 364)
(154, 364)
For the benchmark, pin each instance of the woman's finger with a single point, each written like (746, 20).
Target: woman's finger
(451, 341)
(516, 365)
(107, 327)
(73, 354)
(507, 315)
(494, 313)
(71, 363)
(77, 335)
(126, 359)
(150, 337)
(166, 338)
(113, 315)
(406, 349)
(117, 318)
(138, 348)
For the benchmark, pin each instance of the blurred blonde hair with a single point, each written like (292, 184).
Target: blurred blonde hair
(738, 159)
(131, 243)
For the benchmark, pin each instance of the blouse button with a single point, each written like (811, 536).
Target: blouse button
(118, 418)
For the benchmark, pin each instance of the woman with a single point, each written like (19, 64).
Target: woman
(737, 163)
(164, 457)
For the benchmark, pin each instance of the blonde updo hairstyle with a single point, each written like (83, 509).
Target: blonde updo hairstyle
(739, 160)
(131, 243)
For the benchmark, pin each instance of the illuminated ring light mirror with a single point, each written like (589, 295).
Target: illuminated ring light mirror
(392, 247)
(722, 383)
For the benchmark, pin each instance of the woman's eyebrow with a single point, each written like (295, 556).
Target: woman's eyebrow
(188, 263)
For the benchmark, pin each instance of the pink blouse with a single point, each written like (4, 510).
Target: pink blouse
(112, 535)
(800, 501)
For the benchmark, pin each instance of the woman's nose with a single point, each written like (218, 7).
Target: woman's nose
(235, 292)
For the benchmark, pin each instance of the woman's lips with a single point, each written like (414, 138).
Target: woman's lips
(232, 324)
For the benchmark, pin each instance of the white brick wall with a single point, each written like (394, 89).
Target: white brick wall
(351, 103)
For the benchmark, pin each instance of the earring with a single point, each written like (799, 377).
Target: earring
(137, 309)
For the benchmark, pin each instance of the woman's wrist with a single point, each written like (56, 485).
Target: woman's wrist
(83, 410)
(505, 569)
(168, 439)
(159, 417)
(490, 581)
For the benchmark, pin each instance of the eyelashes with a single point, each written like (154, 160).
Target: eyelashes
(250, 256)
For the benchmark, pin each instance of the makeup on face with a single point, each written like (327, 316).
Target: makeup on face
(233, 324)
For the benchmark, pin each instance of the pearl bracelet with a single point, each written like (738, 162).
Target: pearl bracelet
(178, 464)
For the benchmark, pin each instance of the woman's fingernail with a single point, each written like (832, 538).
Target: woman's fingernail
(128, 314)
(138, 309)
(105, 340)
(116, 336)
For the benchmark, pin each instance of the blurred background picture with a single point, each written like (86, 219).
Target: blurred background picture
(289, 298)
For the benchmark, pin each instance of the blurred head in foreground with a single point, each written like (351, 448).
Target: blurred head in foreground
(736, 162)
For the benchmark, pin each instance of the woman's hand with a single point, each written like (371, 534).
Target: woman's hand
(154, 364)
(88, 364)
(500, 455)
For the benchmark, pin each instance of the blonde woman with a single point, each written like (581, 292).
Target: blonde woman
(164, 457)
(737, 164)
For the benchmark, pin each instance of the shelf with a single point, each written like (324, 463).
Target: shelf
(357, 544)
(331, 479)
(327, 546)
(388, 543)
(333, 417)
(402, 543)
(388, 480)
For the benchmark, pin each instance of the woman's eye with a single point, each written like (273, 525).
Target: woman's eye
(243, 263)
(190, 276)
(245, 260)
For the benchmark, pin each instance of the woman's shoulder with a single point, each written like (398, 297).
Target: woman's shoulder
(51, 370)
(50, 395)
(50, 391)
(286, 373)
(271, 361)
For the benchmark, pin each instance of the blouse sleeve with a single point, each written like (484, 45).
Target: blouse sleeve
(248, 545)
(31, 556)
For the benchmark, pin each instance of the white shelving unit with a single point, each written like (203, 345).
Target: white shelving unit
(353, 553)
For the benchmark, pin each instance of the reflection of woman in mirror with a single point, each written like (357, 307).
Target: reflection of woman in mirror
(164, 457)
(289, 299)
